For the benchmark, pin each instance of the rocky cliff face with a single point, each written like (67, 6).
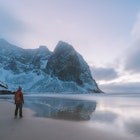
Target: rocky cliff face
(20, 60)
(39, 70)
(68, 65)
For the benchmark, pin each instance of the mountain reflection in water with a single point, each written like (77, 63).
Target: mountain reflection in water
(61, 108)
(113, 113)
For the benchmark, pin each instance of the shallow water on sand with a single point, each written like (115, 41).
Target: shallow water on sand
(114, 113)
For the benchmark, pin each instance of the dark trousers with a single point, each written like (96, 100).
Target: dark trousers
(18, 109)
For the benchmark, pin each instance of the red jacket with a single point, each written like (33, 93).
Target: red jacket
(19, 97)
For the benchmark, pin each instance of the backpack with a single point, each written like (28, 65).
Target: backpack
(18, 97)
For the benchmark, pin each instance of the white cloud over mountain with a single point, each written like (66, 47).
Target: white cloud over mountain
(132, 54)
(100, 73)
(10, 24)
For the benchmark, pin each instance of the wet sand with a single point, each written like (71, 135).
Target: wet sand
(35, 128)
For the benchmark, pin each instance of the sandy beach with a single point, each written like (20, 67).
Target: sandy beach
(35, 128)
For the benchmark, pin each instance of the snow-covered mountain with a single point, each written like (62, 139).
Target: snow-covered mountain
(40, 70)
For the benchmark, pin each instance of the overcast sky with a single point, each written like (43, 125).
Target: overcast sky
(105, 32)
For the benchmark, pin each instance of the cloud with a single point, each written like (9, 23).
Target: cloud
(129, 87)
(132, 58)
(103, 73)
(105, 116)
(136, 28)
(10, 25)
(132, 54)
(133, 127)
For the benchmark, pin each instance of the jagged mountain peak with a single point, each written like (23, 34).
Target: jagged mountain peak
(63, 43)
(43, 49)
(63, 46)
(63, 57)
(3, 41)
(64, 50)
(20, 60)
(5, 45)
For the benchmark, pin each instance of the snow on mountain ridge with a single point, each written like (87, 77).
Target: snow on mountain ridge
(19, 60)
(40, 70)
(8, 48)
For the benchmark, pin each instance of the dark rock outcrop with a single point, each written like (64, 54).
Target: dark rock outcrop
(68, 65)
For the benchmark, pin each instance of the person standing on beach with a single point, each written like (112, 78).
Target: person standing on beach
(19, 100)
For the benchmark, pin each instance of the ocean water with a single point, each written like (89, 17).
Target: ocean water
(113, 113)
